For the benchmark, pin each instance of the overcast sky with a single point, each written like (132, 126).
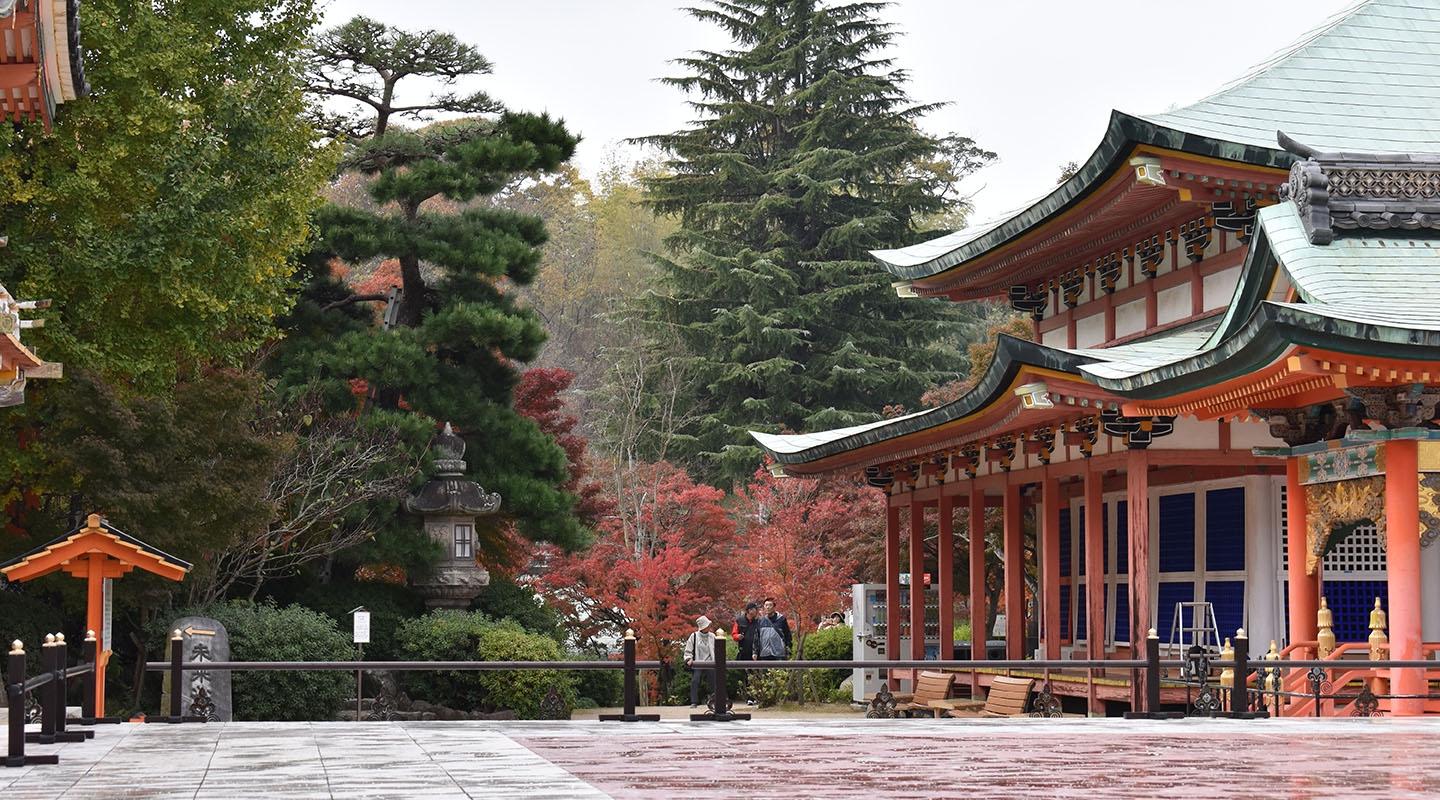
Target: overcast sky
(1032, 80)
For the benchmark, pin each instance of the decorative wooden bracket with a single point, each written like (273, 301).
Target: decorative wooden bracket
(1138, 432)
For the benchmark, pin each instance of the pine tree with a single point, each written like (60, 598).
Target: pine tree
(450, 341)
(805, 156)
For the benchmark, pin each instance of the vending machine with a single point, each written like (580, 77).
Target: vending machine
(868, 612)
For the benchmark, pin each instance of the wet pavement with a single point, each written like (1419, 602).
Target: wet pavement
(808, 758)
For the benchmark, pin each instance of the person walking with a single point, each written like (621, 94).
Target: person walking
(744, 631)
(700, 658)
(772, 636)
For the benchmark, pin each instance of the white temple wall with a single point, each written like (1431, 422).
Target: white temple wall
(1173, 304)
(1220, 288)
(1090, 331)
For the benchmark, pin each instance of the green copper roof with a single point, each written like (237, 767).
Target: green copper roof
(1367, 81)
(1366, 293)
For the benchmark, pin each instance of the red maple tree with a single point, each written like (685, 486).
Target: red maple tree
(798, 535)
(663, 557)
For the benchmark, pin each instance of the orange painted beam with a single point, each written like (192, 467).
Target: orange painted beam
(1137, 499)
(1094, 573)
(892, 590)
(88, 542)
(945, 567)
(1050, 565)
(1303, 588)
(1014, 574)
(979, 635)
(917, 583)
(1402, 543)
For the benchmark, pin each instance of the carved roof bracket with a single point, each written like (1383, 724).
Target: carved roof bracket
(1350, 191)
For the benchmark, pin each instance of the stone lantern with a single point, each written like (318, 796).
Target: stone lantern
(450, 502)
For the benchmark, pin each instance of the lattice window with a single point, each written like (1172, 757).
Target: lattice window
(1358, 554)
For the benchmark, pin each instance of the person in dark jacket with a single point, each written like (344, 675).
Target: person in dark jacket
(743, 632)
(772, 636)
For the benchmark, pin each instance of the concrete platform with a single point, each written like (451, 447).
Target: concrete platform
(841, 758)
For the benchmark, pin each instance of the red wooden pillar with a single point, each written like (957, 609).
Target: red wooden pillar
(892, 590)
(1050, 565)
(978, 634)
(95, 621)
(1402, 562)
(917, 580)
(1137, 497)
(1304, 589)
(1094, 573)
(1014, 575)
(945, 569)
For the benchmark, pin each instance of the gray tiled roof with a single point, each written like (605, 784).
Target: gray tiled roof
(1366, 81)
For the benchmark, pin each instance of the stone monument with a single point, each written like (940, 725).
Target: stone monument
(450, 503)
(205, 693)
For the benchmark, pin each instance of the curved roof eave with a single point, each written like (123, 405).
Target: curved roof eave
(1272, 330)
(1123, 133)
(1011, 356)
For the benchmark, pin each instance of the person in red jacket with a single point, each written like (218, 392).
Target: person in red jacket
(743, 632)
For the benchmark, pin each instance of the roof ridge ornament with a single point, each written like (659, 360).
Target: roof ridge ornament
(1353, 191)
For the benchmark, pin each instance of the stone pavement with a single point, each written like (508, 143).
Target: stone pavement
(871, 759)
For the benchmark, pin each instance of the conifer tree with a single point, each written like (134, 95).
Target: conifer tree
(806, 155)
(452, 336)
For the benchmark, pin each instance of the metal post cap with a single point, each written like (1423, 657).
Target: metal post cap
(49, 640)
(17, 648)
(89, 636)
(175, 635)
(630, 634)
(720, 634)
(1240, 633)
(1153, 634)
(59, 638)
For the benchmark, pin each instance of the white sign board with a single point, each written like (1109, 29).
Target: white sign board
(362, 627)
(107, 616)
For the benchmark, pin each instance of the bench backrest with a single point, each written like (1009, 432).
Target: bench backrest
(1008, 696)
(933, 686)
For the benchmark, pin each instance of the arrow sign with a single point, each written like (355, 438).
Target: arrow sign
(191, 630)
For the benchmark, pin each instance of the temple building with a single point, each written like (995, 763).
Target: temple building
(41, 63)
(1231, 394)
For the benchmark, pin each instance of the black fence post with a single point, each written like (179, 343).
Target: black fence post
(50, 704)
(1240, 689)
(721, 713)
(1152, 672)
(15, 696)
(632, 687)
(1150, 701)
(62, 694)
(177, 656)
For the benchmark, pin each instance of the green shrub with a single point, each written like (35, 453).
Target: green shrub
(449, 635)
(962, 632)
(598, 688)
(388, 605)
(522, 690)
(265, 632)
(831, 644)
(444, 635)
(770, 687)
(505, 599)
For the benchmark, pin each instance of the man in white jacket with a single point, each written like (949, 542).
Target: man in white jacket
(700, 657)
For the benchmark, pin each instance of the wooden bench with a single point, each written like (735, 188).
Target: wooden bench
(931, 695)
(1008, 697)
